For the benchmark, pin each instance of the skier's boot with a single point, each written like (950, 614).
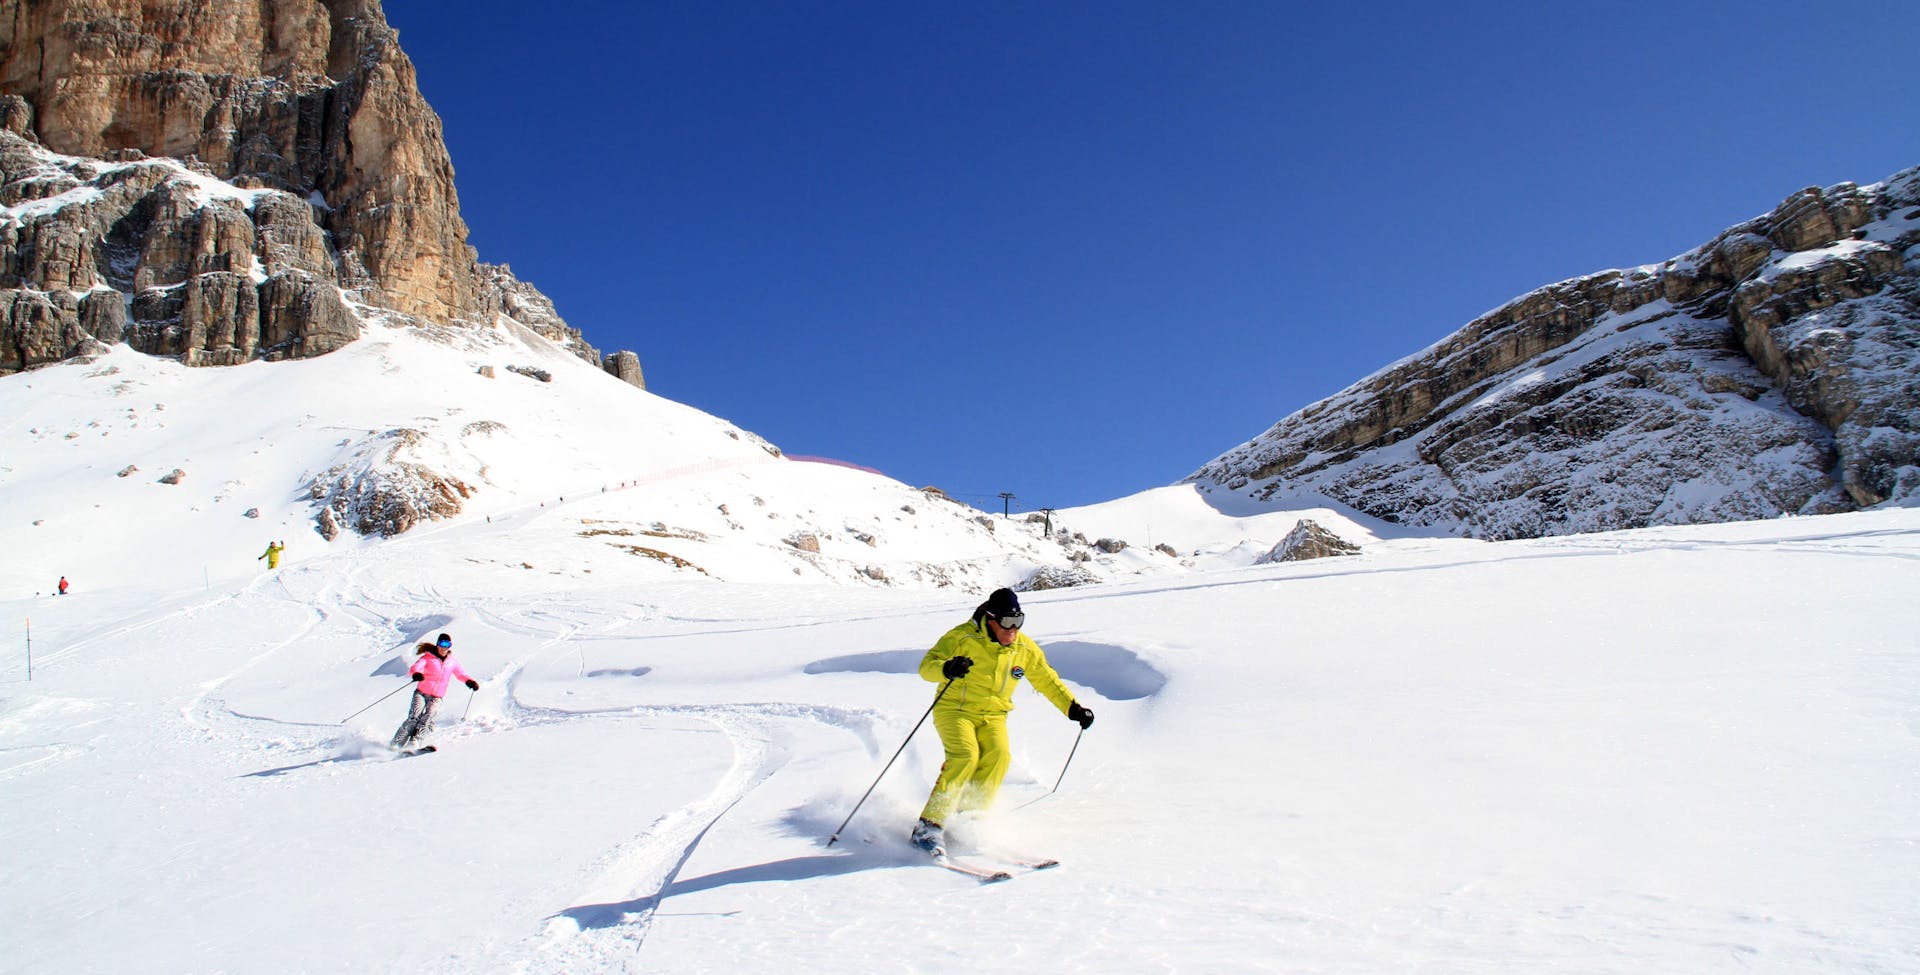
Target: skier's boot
(928, 836)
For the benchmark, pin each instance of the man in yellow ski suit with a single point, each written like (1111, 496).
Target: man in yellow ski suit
(981, 661)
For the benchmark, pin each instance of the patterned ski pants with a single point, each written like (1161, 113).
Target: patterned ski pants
(419, 723)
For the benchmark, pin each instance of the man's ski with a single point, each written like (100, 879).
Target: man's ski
(1023, 860)
(422, 750)
(983, 874)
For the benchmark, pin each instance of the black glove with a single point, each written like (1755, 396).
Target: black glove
(1077, 713)
(419, 677)
(957, 667)
(473, 685)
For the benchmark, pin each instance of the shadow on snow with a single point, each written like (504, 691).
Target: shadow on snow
(589, 916)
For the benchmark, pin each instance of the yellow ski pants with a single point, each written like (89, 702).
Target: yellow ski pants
(977, 759)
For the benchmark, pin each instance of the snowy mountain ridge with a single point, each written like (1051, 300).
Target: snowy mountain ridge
(1770, 371)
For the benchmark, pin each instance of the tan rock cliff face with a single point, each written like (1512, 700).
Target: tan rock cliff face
(298, 95)
(308, 105)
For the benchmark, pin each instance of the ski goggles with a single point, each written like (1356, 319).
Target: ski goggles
(444, 644)
(1011, 621)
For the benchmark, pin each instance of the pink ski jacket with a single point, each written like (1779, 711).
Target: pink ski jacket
(438, 672)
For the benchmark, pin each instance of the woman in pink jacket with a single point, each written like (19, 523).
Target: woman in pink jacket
(432, 668)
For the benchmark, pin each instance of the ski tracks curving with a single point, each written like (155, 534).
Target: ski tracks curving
(611, 916)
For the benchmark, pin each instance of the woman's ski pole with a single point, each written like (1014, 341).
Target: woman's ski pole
(369, 707)
(890, 761)
(470, 696)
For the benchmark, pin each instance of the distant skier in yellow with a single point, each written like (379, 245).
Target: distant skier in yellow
(272, 554)
(982, 661)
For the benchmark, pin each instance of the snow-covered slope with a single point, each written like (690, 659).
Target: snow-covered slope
(412, 429)
(264, 447)
(1672, 750)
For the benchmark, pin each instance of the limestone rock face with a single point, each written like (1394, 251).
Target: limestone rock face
(1775, 369)
(298, 95)
(232, 179)
(504, 294)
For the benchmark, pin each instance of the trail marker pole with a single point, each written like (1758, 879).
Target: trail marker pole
(29, 648)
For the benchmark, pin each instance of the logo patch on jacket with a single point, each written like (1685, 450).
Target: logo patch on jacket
(1019, 672)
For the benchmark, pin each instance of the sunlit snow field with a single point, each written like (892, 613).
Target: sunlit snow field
(1681, 750)
(1668, 750)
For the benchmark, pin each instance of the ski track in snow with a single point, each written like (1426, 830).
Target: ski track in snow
(607, 922)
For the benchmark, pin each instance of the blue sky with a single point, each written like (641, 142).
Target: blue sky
(1075, 250)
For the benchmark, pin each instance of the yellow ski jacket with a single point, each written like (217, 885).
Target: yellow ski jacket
(997, 671)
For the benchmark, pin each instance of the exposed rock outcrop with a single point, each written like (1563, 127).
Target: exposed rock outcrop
(625, 366)
(1058, 577)
(1308, 540)
(1774, 370)
(391, 481)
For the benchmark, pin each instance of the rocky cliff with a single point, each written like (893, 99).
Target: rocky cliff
(226, 179)
(1775, 369)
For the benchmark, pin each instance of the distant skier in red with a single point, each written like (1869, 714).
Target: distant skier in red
(63, 585)
(433, 667)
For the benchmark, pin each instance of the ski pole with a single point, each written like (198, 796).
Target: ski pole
(369, 707)
(470, 696)
(1063, 773)
(890, 761)
(1070, 754)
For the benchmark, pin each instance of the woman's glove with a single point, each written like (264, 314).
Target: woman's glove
(419, 677)
(473, 685)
